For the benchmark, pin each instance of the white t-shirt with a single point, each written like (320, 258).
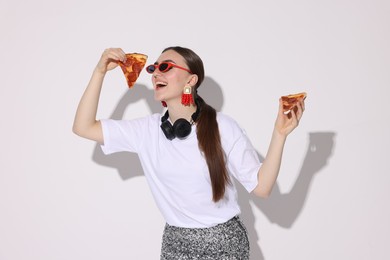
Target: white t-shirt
(177, 172)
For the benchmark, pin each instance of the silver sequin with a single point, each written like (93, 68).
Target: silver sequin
(226, 241)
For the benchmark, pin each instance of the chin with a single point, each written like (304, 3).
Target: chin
(158, 99)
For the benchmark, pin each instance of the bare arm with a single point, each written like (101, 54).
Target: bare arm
(269, 170)
(85, 123)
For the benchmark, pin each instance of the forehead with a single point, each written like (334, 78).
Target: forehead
(171, 55)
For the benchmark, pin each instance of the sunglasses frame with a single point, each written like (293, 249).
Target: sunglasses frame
(170, 66)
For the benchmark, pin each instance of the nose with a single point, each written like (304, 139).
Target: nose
(156, 73)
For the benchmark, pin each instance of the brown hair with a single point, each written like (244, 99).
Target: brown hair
(209, 139)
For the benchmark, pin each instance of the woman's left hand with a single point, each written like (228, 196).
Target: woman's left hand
(286, 123)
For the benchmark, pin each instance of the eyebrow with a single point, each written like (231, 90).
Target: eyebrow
(165, 61)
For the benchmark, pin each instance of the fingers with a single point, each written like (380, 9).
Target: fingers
(116, 54)
(110, 59)
(287, 122)
(297, 112)
(300, 109)
(281, 111)
(297, 109)
(302, 102)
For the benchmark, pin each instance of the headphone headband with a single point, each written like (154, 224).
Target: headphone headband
(194, 116)
(181, 128)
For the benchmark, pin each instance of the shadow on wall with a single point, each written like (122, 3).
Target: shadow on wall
(281, 209)
(284, 209)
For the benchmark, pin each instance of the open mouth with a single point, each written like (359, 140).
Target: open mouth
(161, 84)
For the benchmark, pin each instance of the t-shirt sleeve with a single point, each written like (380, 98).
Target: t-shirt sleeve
(243, 162)
(122, 135)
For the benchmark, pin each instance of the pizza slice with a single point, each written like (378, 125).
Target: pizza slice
(290, 101)
(133, 66)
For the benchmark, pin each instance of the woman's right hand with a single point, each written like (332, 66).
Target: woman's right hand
(109, 59)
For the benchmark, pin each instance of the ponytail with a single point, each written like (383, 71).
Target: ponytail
(210, 144)
(209, 140)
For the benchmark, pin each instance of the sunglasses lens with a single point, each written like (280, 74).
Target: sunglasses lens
(164, 67)
(150, 68)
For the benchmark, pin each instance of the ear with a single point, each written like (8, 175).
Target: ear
(193, 79)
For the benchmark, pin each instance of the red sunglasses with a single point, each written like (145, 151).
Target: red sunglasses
(164, 67)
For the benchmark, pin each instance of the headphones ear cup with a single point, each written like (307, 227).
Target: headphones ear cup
(168, 130)
(181, 128)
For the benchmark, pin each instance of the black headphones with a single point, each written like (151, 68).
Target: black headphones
(181, 128)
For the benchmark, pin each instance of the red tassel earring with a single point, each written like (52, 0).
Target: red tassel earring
(186, 97)
(164, 104)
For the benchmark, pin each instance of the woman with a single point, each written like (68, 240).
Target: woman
(189, 155)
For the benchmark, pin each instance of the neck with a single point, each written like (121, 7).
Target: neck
(179, 111)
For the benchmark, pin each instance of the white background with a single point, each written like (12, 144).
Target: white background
(60, 198)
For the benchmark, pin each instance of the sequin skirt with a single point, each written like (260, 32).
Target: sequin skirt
(226, 241)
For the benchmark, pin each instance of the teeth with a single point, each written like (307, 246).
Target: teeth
(161, 84)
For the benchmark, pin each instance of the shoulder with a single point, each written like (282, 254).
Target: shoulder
(228, 126)
(225, 120)
(149, 119)
(140, 122)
